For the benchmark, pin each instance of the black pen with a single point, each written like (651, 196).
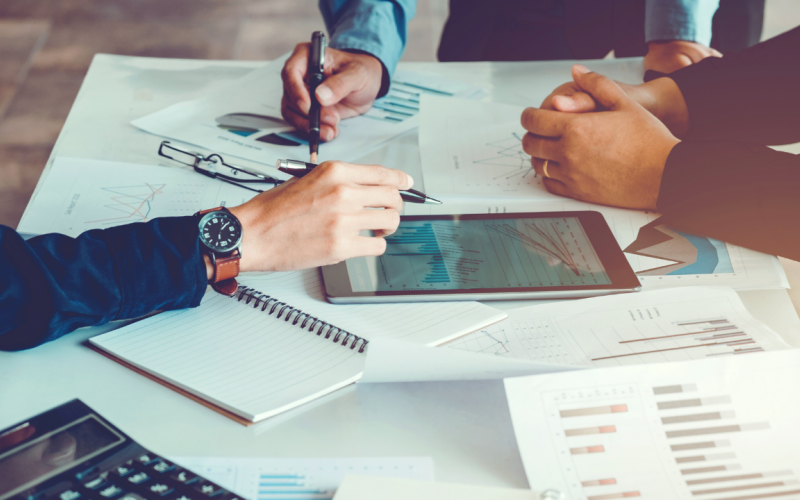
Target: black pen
(316, 73)
(300, 168)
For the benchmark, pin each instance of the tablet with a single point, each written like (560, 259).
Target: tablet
(542, 255)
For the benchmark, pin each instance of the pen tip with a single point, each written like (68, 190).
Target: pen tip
(313, 157)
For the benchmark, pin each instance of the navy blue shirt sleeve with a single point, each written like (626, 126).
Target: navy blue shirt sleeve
(53, 284)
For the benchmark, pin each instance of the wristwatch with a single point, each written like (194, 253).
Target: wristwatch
(221, 241)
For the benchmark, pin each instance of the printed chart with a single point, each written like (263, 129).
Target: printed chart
(663, 433)
(299, 479)
(650, 327)
(489, 254)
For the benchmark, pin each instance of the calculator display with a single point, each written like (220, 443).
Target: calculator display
(34, 460)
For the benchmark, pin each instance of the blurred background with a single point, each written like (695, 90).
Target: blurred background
(46, 47)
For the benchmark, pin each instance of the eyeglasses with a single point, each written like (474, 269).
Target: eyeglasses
(208, 165)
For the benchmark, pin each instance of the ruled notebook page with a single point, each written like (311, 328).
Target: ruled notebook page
(429, 323)
(256, 365)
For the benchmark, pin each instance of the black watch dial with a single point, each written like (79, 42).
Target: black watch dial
(220, 231)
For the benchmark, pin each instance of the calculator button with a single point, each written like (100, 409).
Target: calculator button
(162, 466)
(147, 459)
(67, 495)
(110, 491)
(139, 478)
(121, 470)
(182, 497)
(95, 483)
(159, 490)
(183, 476)
(131, 496)
(208, 489)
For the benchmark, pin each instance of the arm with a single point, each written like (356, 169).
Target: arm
(742, 193)
(367, 38)
(750, 96)
(377, 27)
(53, 284)
(678, 33)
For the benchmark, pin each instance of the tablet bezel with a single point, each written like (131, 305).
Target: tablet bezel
(337, 279)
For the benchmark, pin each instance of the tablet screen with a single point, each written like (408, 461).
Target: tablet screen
(481, 253)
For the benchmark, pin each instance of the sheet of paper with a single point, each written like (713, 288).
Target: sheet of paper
(362, 487)
(474, 149)
(243, 119)
(688, 260)
(634, 328)
(257, 363)
(395, 361)
(299, 478)
(717, 428)
(79, 195)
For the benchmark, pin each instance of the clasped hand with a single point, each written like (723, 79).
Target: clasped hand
(602, 146)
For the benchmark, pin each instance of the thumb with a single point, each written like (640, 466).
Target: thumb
(339, 86)
(602, 89)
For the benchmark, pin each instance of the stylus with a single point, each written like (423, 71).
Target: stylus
(301, 168)
(316, 70)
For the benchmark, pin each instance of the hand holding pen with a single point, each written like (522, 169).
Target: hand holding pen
(300, 169)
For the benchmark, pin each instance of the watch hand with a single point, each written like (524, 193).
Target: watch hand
(223, 226)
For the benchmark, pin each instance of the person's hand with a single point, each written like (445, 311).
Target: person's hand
(352, 82)
(661, 97)
(672, 55)
(317, 220)
(614, 157)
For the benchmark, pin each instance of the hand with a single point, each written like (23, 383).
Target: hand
(316, 220)
(614, 157)
(672, 55)
(352, 82)
(661, 97)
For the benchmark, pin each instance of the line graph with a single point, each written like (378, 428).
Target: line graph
(132, 202)
(549, 244)
(508, 153)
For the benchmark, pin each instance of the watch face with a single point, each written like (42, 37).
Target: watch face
(220, 231)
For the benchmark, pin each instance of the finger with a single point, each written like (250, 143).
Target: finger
(544, 122)
(546, 148)
(580, 102)
(380, 197)
(368, 246)
(291, 115)
(603, 90)
(372, 220)
(556, 187)
(341, 85)
(293, 75)
(715, 52)
(366, 175)
(554, 170)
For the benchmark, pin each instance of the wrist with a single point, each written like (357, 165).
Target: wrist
(663, 98)
(242, 214)
(209, 267)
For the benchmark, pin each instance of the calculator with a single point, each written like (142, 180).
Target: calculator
(72, 453)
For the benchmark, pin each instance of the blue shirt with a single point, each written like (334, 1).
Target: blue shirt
(53, 284)
(380, 27)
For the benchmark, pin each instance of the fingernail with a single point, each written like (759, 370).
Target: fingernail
(330, 120)
(303, 106)
(324, 95)
(329, 135)
(580, 69)
(410, 180)
(563, 103)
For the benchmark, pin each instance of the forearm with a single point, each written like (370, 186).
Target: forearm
(751, 96)
(741, 193)
(377, 27)
(54, 284)
(688, 20)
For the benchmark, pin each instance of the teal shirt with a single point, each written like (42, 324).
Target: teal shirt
(380, 27)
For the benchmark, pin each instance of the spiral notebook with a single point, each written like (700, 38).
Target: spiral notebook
(260, 353)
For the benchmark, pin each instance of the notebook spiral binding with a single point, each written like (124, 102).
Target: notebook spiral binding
(265, 301)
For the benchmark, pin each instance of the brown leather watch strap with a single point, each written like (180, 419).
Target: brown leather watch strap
(226, 269)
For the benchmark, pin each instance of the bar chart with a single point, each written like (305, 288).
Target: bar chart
(694, 436)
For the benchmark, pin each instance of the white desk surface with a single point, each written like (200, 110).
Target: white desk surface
(465, 427)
